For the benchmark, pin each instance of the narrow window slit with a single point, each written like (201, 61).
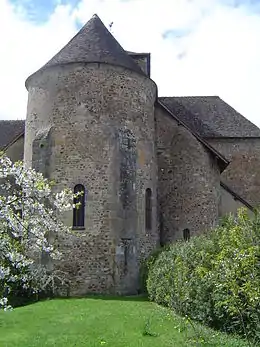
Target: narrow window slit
(148, 209)
(79, 209)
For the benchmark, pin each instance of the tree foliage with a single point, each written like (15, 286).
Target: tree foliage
(30, 222)
(214, 278)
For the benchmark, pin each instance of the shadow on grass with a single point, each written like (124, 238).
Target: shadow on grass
(139, 297)
(106, 297)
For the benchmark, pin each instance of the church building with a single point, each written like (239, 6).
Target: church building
(153, 169)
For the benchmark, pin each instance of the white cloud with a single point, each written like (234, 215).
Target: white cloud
(24, 48)
(220, 56)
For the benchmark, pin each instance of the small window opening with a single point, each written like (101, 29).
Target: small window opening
(148, 209)
(186, 234)
(79, 209)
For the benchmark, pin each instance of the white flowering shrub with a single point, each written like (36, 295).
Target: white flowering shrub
(30, 212)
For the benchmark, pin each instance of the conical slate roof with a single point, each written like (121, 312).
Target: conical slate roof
(93, 43)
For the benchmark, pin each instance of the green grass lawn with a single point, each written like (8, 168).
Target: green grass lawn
(99, 321)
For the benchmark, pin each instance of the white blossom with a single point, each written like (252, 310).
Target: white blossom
(29, 211)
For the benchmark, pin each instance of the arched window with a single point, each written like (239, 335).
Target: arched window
(148, 209)
(79, 209)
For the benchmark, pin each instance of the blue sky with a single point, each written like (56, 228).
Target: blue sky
(39, 11)
(198, 47)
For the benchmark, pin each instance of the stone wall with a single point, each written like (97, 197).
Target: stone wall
(16, 150)
(99, 122)
(243, 173)
(228, 203)
(189, 181)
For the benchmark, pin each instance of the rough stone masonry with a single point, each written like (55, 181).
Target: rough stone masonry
(151, 168)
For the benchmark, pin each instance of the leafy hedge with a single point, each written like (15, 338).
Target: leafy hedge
(214, 278)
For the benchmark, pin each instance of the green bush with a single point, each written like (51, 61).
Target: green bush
(214, 278)
(146, 266)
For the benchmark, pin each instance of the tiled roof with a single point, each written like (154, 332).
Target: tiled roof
(222, 161)
(210, 116)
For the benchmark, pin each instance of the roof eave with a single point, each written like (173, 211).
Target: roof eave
(13, 141)
(236, 196)
(44, 68)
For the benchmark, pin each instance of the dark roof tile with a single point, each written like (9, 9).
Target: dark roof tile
(93, 43)
(193, 121)
(222, 161)
(211, 116)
